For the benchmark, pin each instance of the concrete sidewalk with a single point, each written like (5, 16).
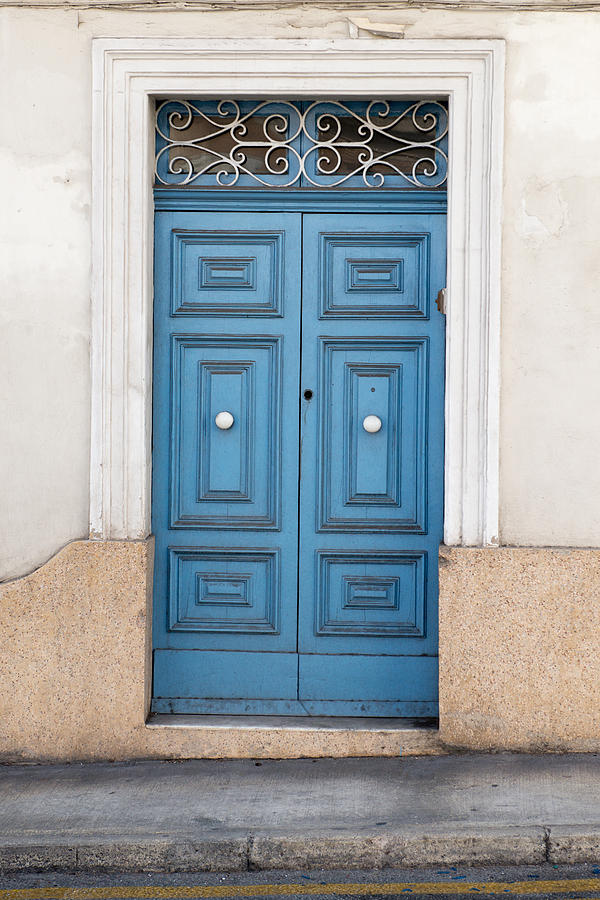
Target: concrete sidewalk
(294, 814)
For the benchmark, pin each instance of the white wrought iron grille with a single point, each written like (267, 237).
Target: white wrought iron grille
(320, 143)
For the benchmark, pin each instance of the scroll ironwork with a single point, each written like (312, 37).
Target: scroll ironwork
(279, 143)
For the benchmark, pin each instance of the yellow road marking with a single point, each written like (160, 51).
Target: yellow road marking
(171, 892)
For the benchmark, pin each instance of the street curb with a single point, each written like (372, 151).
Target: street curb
(164, 856)
(402, 848)
(150, 855)
(574, 844)
(408, 847)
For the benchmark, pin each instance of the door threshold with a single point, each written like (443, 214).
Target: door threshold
(292, 737)
(303, 723)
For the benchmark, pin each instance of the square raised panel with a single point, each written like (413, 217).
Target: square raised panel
(372, 276)
(224, 273)
(227, 591)
(371, 594)
(225, 479)
(373, 482)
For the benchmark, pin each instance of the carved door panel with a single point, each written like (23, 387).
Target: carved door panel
(227, 344)
(298, 416)
(372, 464)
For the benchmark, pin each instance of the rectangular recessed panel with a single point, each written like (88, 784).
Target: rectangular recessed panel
(227, 478)
(373, 481)
(225, 387)
(373, 464)
(371, 594)
(226, 273)
(367, 275)
(374, 275)
(224, 590)
(231, 590)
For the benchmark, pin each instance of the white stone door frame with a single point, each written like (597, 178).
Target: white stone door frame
(127, 75)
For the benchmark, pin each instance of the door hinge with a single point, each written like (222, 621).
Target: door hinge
(440, 301)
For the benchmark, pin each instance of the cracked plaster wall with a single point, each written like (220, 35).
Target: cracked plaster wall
(550, 431)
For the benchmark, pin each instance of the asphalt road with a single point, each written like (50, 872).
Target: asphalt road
(533, 882)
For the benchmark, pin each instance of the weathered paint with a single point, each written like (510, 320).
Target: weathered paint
(260, 607)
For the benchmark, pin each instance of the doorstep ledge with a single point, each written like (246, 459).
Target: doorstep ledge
(283, 737)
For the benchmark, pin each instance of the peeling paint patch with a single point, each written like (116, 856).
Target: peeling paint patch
(544, 211)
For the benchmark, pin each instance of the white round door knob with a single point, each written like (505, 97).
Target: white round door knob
(224, 420)
(372, 424)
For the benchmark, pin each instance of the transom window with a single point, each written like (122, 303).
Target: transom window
(308, 143)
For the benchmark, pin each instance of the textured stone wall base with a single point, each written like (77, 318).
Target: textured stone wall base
(519, 663)
(520, 648)
(75, 670)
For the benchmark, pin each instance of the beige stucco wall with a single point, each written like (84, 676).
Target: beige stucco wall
(520, 649)
(519, 662)
(75, 674)
(550, 314)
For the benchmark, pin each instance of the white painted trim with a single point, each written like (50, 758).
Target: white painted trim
(127, 73)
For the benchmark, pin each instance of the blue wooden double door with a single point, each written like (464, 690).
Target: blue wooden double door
(297, 461)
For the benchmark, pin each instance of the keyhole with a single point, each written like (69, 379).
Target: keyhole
(308, 395)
